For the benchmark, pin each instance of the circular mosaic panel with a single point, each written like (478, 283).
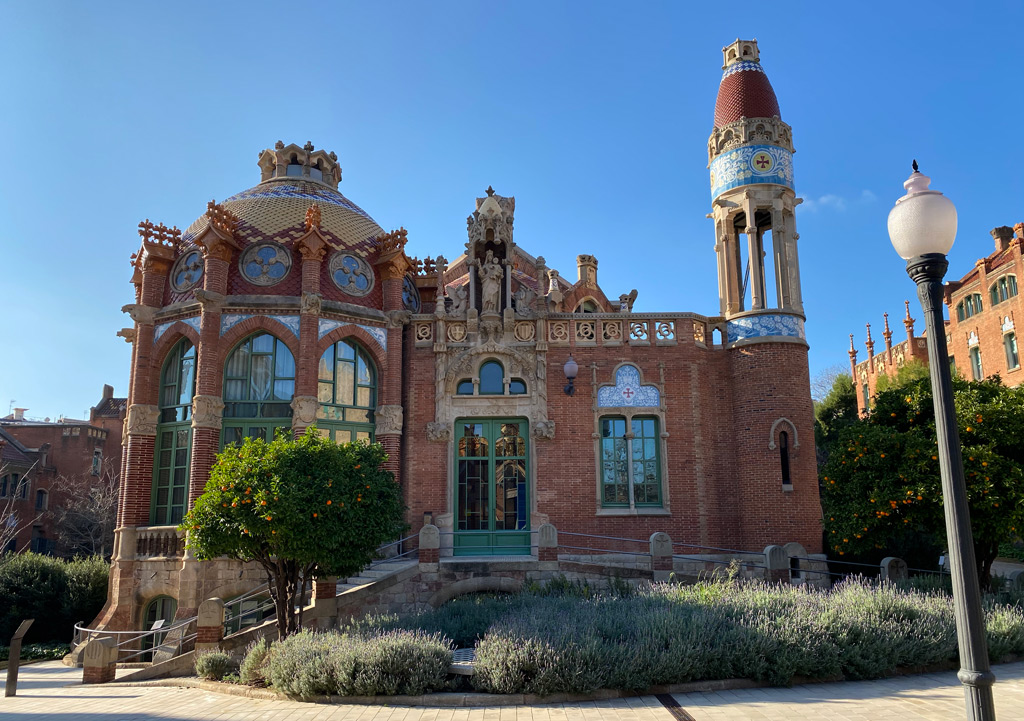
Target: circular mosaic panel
(187, 271)
(265, 264)
(352, 274)
(410, 295)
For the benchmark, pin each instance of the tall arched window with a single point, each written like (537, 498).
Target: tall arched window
(259, 382)
(347, 391)
(784, 458)
(173, 436)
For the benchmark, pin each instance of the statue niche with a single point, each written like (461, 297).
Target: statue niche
(491, 274)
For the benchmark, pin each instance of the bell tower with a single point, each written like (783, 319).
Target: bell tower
(750, 156)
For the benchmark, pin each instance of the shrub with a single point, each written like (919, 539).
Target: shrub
(253, 666)
(366, 664)
(213, 665)
(38, 651)
(55, 592)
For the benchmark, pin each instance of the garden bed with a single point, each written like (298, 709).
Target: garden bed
(571, 640)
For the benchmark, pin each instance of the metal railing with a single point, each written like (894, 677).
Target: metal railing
(131, 644)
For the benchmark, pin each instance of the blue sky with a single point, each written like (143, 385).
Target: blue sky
(594, 115)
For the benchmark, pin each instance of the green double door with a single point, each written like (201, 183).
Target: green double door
(492, 509)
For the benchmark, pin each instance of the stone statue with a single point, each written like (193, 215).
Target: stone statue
(460, 299)
(490, 277)
(524, 298)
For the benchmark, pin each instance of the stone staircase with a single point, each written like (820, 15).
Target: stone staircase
(375, 573)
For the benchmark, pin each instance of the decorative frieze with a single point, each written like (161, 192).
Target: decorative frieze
(438, 432)
(304, 410)
(142, 419)
(207, 411)
(389, 420)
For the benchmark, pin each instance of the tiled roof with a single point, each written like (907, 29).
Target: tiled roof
(13, 452)
(745, 93)
(112, 407)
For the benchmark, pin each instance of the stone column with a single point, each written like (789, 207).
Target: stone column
(661, 556)
(755, 255)
(99, 660)
(207, 416)
(429, 548)
(547, 547)
(893, 569)
(776, 563)
(325, 601)
(138, 473)
(313, 250)
(210, 625)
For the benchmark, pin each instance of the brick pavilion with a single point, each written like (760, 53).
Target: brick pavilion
(287, 305)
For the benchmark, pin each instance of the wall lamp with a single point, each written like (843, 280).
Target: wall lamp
(571, 369)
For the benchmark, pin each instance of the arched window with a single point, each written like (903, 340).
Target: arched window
(968, 307)
(492, 382)
(492, 379)
(173, 436)
(1003, 289)
(784, 457)
(347, 392)
(1010, 345)
(975, 356)
(259, 382)
(161, 608)
(41, 500)
(587, 306)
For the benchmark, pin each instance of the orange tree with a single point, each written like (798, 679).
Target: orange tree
(882, 475)
(299, 508)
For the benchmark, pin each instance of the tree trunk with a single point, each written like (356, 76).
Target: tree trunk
(984, 555)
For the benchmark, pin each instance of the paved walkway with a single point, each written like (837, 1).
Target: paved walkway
(52, 692)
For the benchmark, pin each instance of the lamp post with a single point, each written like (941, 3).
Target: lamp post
(922, 227)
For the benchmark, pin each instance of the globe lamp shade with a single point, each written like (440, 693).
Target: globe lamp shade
(571, 369)
(923, 221)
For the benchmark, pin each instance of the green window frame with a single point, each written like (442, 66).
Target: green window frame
(347, 393)
(259, 383)
(975, 355)
(1012, 357)
(630, 462)
(169, 497)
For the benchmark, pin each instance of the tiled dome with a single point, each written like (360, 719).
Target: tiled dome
(276, 210)
(744, 92)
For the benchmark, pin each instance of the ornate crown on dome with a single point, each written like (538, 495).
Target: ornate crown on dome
(744, 91)
(293, 178)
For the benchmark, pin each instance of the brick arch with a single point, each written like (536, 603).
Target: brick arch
(170, 339)
(367, 341)
(251, 326)
(582, 292)
(776, 427)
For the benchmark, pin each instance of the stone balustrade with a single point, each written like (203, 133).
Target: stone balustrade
(159, 541)
(597, 329)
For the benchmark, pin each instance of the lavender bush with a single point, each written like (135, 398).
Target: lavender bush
(346, 664)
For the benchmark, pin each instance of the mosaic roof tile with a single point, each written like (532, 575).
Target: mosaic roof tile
(276, 210)
(745, 92)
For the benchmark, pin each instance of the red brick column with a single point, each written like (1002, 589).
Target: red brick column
(207, 405)
(99, 660)
(210, 625)
(429, 547)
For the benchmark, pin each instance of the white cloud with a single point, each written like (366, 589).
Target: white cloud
(836, 203)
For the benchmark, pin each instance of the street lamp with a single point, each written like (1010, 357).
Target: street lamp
(922, 228)
(571, 369)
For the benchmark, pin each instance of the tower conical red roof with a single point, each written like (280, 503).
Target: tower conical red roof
(744, 92)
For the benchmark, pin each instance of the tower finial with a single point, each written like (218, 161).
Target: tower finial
(914, 166)
(490, 191)
(870, 343)
(852, 350)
